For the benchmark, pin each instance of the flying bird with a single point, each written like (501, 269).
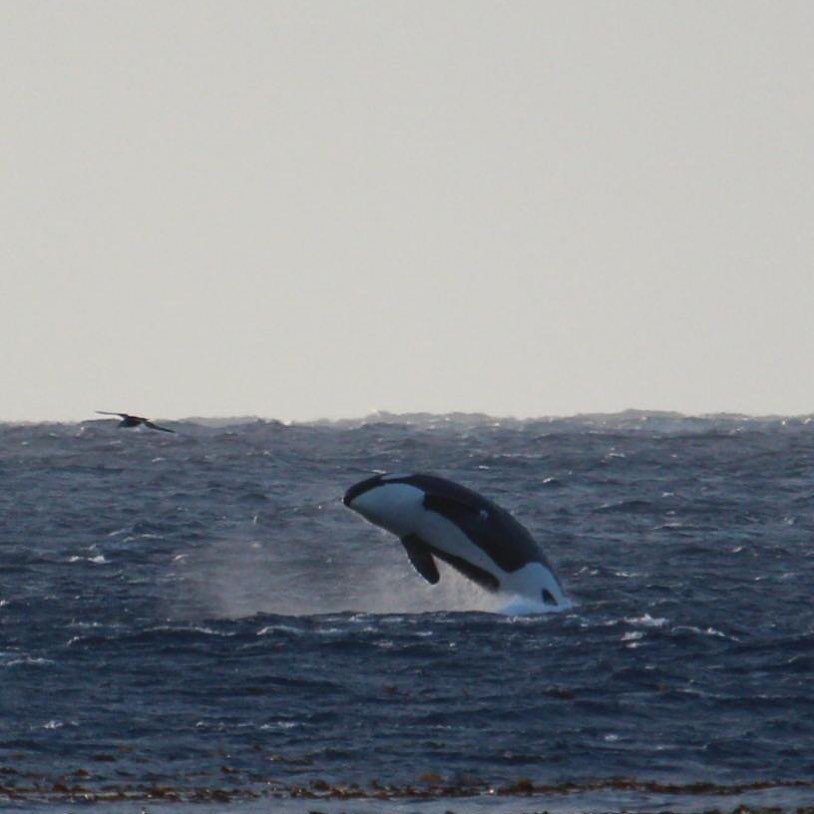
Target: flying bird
(128, 420)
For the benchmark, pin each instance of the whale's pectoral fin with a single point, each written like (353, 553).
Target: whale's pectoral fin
(480, 577)
(421, 557)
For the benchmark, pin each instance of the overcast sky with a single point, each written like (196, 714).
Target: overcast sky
(308, 209)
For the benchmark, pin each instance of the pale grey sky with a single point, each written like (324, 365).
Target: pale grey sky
(306, 209)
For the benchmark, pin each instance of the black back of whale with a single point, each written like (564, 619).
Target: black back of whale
(507, 543)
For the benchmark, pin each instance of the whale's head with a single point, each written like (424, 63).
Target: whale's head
(387, 501)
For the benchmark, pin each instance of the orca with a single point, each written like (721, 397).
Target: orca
(439, 519)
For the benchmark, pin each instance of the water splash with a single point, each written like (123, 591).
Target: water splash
(239, 576)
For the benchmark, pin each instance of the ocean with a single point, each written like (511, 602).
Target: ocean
(197, 619)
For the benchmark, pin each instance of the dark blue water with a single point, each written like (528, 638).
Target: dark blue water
(199, 610)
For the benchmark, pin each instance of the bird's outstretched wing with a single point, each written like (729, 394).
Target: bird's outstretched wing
(107, 412)
(156, 427)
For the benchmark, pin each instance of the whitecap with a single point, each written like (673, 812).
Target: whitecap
(710, 631)
(28, 660)
(207, 631)
(269, 629)
(646, 621)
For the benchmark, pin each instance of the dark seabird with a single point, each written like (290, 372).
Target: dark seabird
(128, 420)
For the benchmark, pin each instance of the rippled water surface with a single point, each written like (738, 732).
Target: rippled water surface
(199, 610)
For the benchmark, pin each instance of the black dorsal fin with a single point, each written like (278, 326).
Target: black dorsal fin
(421, 557)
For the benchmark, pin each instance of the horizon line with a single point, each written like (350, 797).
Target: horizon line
(628, 412)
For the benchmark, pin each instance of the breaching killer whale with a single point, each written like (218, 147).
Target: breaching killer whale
(437, 518)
